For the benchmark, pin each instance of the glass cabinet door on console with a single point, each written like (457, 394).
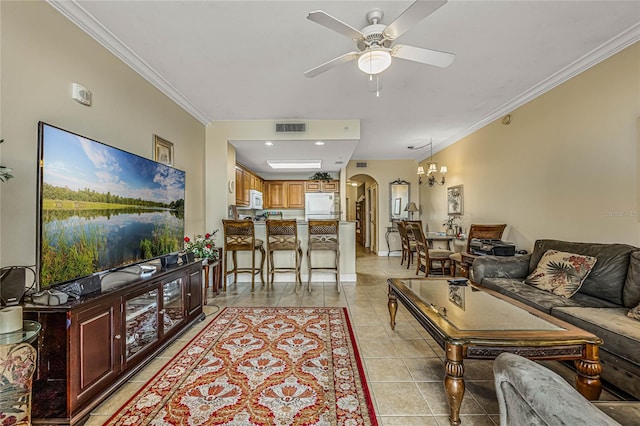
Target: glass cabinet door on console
(141, 321)
(172, 304)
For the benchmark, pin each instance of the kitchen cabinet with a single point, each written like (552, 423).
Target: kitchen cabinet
(322, 186)
(331, 186)
(90, 346)
(242, 191)
(276, 194)
(246, 181)
(282, 194)
(295, 194)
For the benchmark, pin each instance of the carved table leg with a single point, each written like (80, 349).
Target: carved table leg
(589, 369)
(393, 308)
(453, 381)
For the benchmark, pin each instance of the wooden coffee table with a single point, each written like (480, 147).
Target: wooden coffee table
(477, 323)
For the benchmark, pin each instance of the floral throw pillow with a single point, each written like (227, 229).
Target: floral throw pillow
(561, 273)
(634, 313)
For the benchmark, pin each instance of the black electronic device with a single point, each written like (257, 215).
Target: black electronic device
(169, 260)
(492, 247)
(103, 237)
(81, 287)
(12, 285)
(458, 281)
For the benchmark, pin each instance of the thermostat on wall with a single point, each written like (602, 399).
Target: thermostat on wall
(81, 94)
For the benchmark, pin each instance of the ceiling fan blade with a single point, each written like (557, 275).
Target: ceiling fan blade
(425, 56)
(411, 16)
(328, 21)
(331, 64)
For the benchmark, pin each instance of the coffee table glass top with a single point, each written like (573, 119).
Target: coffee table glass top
(469, 309)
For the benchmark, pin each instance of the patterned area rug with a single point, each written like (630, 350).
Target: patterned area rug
(260, 366)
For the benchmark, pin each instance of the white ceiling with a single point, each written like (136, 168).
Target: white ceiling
(244, 60)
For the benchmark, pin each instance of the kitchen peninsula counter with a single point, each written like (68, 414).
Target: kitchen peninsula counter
(320, 258)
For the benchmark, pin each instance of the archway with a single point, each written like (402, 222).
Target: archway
(362, 208)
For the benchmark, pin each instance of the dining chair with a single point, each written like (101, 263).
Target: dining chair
(408, 246)
(427, 258)
(239, 235)
(493, 232)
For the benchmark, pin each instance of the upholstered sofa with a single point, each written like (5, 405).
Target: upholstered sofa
(600, 306)
(530, 394)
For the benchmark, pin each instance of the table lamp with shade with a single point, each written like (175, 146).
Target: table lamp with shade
(411, 207)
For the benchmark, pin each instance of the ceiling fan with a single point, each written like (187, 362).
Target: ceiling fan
(375, 41)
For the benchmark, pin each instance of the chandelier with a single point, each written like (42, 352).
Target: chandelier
(432, 170)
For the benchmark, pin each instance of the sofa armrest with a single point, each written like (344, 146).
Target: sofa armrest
(529, 393)
(500, 267)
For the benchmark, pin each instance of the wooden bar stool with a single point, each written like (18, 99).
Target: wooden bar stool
(283, 235)
(324, 236)
(239, 235)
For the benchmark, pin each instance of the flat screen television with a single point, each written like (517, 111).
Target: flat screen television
(102, 208)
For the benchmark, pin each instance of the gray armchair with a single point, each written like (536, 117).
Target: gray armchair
(530, 394)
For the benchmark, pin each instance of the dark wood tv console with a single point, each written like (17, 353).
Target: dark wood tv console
(89, 347)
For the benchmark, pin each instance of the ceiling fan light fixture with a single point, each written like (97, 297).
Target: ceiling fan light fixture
(374, 61)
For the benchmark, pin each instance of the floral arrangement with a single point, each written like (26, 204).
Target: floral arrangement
(451, 221)
(202, 246)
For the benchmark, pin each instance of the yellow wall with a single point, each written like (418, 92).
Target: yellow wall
(565, 168)
(42, 55)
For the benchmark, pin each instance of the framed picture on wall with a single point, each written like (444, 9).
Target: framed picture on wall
(455, 200)
(162, 150)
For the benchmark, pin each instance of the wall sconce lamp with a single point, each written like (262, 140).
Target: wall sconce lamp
(431, 171)
(411, 208)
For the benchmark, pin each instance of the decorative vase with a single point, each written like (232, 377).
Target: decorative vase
(450, 231)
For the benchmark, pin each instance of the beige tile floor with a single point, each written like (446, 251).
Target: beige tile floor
(404, 367)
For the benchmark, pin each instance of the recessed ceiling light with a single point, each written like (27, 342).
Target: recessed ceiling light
(295, 164)
(268, 143)
(319, 143)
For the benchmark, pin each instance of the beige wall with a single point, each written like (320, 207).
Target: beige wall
(566, 167)
(384, 172)
(219, 133)
(42, 55)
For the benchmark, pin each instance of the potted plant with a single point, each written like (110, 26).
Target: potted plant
(202, 246)
(451, 224)
(321, 176)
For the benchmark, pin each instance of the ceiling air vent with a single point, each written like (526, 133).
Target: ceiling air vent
(291, 127)
(361, 164)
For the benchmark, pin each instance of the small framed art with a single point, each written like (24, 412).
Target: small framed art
(162, 150)
(455, 200)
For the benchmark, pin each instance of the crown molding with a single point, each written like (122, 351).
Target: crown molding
(90, 25)
(597, 55)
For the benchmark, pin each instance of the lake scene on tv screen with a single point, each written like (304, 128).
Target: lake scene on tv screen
(103, 208)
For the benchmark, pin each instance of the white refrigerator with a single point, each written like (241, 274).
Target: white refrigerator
(321, 205)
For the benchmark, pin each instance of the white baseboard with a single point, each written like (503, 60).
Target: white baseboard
(289, 277)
